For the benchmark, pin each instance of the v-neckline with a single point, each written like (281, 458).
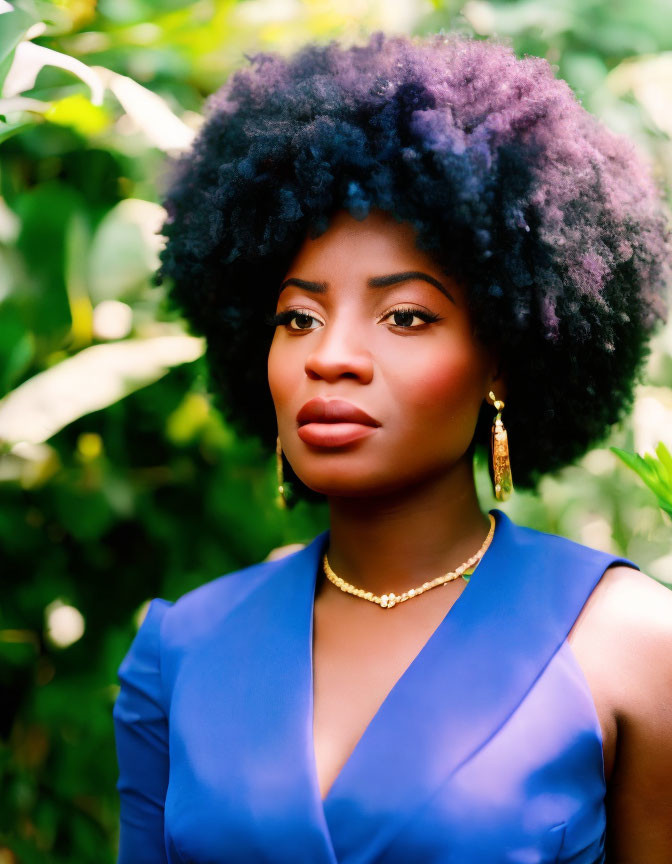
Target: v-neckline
(455, 609)
(471, 675)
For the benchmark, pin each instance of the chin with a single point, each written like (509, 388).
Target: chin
(338, 487)
(342, 483)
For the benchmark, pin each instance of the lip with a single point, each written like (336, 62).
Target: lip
(333, 434)
(333, 411)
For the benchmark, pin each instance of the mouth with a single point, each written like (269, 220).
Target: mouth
(333, 422)
(319, 410)
(333, 434)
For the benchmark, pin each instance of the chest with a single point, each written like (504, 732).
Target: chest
(360, 653)
(464, 733)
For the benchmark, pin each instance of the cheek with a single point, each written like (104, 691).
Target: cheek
(280, 372)
(443, 386)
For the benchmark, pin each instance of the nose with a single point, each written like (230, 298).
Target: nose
(339, 352)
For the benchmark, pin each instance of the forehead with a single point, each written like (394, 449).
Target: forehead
(378, 232)
(353, 250)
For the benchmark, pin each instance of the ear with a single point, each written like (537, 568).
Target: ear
(498, 383)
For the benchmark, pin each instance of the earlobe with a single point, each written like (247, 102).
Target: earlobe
(498, 387)
(498, 382)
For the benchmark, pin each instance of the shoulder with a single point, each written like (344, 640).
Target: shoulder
(213, 621)
(525, 542)
(169, 629)
(626, 621)
(636, 611)
(637, 594)
(624, 641)
(204, 607)
(626, 628)
(201, 612)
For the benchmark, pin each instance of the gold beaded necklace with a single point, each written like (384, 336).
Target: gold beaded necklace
(387, 601)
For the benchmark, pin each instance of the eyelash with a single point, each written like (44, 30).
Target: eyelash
(287, 316)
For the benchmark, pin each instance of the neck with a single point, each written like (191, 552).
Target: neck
(399, 540)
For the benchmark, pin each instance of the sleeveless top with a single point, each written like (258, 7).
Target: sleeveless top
(487, 749)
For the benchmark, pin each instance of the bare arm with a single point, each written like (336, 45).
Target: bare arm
(639, 800)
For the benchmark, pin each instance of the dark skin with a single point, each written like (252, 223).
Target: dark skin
(402, 501)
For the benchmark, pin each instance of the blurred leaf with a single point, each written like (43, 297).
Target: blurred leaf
(52, 13)
(187, 420)
(18, 104)
(13, 27)
(124, 250)
(77, 241)
(85, 514)
(29, 59)
(68, 14)
(80, 113)
(149, 112)
(650, 79)
(29, 465)
(665, 459)
(16, 347)
(8, 130)
(45, 212)
(656, 473)
(91, 380)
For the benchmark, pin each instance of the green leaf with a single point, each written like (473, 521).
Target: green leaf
(45, 212)
(13, 28)
(632, 460)
(657, 472)
(16, 346)
(666, 459)
(654, 473)
(8, 130)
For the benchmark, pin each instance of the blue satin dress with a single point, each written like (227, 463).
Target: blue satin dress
(487, 750)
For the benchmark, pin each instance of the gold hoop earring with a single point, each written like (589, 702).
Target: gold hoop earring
(501, 464)
(281, 501)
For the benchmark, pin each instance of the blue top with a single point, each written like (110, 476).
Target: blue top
(487, 749)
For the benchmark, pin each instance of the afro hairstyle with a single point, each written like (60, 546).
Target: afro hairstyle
(554, 223)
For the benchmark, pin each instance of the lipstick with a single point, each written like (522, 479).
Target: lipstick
(333, 422)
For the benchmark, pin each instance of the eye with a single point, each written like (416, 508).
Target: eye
(283, 318)
(407, 314)
(404, 316)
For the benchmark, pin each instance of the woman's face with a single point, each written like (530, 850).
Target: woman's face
(372, 320)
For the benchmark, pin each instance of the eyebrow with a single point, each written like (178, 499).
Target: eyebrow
(372, 282)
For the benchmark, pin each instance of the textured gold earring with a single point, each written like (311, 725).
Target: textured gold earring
(281, 501)
(501, 465)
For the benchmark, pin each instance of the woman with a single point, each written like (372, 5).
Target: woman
(440, 237)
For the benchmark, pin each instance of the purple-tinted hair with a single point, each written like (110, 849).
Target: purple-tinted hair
(553, 222)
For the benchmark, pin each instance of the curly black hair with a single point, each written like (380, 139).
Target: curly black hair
(555, 224)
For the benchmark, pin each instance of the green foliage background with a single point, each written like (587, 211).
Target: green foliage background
(150, 494)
